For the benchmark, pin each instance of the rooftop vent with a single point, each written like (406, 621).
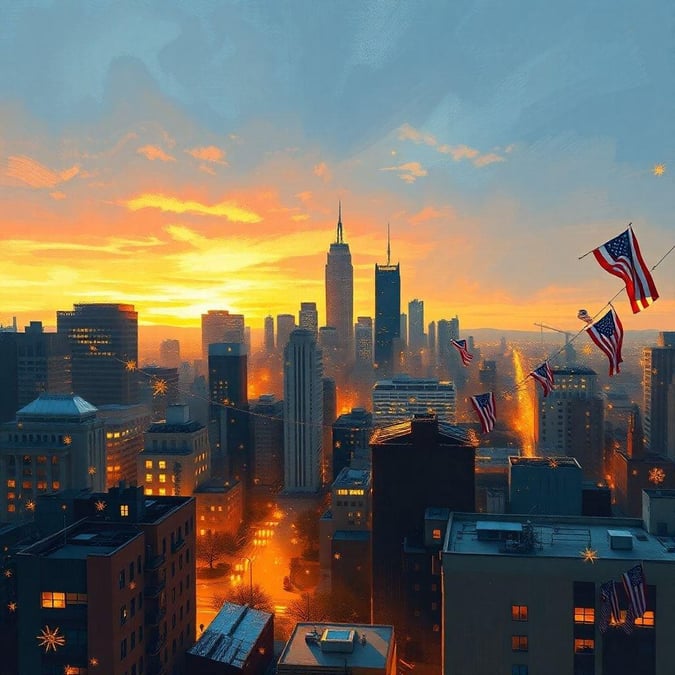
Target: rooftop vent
(620, 540)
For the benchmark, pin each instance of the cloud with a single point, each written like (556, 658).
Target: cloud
(409, 133)
(458, 152)
(233, 212)
(489, 158)
(31, 172)
(153, 152)
(408, 171)
(322, 171)
(427, 213)
(57, 194)
(208, 153)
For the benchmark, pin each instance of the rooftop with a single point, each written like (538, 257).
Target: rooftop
(57, 405)
(350, 477)
(545, 462)
(232, 634)
(554, 537)
(397, 432)
(338, 645)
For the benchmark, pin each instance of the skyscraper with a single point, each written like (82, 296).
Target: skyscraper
(169, 354)
(340, 292)
(303, 413)
(221, 326)
(269, 335)
(416, 325)
(308, 318)
(659, 395)
(285, 326)
(363, 333)
(387, 313)
(103, 340)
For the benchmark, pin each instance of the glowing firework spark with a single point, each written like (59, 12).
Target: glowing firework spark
(67, 440)
(659, 169)
(657, 475)
(159, 387)
(100, 505)
(553, 463)
(130, 365)
(8, 574)
(588, 555)
(50, 639)
(11, 606)
(91, 470)
(30, 505)
(93, 348)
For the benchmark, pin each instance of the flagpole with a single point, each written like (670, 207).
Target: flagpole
(663, 258)
(589, 253)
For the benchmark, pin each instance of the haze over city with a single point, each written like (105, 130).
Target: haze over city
(182, 158)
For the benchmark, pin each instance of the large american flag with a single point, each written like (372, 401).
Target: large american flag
(635, 585)
(621, 257)
(463, 351)
(544, 375)
(484, 405)
(607, 333)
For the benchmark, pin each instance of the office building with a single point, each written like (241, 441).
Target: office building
(387, 314)
(268, 338)
(329, 416)
(221, 326)
(240, 639)
(169, 354)
(114, 592)
(103, 341)
(340, 292)
(285, 326)
(125, 426)
(230, 429)
(351, 435)
(158, 389)
(402, 397)
(449, 363)
(308, 318)
(56, 443)
(431, 341)
(363, 336)
(316, 648)
(570, 420)
(416, 465)
(416, 336)
(176, 455)
(268, 442)
(659, 395)
(220, 506)
(303, 413)
(535, 582)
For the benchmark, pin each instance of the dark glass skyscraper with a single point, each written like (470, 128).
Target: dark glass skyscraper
(103, 340)
(387, 313)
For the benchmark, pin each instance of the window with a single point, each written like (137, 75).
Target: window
(436, 533)
(76, 598)
(122, 578)
(646, 620)
(124, 614)
(519, 643)
(11, 483)
(148, 478)
(518, 669)
(519, 612)
(162, 492)
(162, 464)
(123, 648)
(124, 510)
(162, 478)
(584, 646)
(53, 600)
(148, 464)
(584, 615)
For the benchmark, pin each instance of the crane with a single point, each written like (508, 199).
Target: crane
(570, 354)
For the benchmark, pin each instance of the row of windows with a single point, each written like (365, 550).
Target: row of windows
(59, 600)
(585, 615)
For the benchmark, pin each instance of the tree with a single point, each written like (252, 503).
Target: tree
(307, 527)
(310, 607)
(212, 546)
(241, 595)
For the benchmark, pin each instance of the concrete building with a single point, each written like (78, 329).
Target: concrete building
(402, 397)
(221, 326)
(268, 442)
(530, 588)
(416, 336)
(103, 339)
(169, 354)
(360, 649)
(303, 413)
(114, 592)
(363, 336)
(125, 426)
(285, 326)
(219, 505)
(268, 338)
(238, 640)
(387, 317)
(659, 395)
(176, 455)
(308, 317)
(351, 436)
(56, 443)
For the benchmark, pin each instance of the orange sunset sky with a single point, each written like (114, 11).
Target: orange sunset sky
(185, 158)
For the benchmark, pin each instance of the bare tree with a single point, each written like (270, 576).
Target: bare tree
(212, 546)
(243, 594)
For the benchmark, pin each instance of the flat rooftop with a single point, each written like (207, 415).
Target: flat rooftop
(554, 537)
(307, 647)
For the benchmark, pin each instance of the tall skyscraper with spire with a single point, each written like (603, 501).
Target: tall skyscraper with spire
(340, 292)
(387, 313)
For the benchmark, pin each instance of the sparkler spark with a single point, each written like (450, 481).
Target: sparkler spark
(50, 639)
(657, 475)
(159, 387)
(659, 169)
(588, 555)
(130, 365)
(100, 505)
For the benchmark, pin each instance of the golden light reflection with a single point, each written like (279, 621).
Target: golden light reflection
(524, 421)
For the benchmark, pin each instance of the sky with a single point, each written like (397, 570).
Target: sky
(184, 156)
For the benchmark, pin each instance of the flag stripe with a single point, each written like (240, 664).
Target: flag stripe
(463, 351)
(607, 333)
(544, 375)
(484, 405)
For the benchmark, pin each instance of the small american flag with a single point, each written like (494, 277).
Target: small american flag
(607, 333)
(463, 351)
(544, 375)
(606, 610)
(484, 405)
(621, 257)
(635, 585)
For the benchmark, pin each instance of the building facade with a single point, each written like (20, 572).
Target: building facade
(221, 326)
(387, 317)
(659, 395)
(268, 442)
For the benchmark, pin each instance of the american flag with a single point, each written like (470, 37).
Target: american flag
(635, 585)
(463, 351)
(584, 316)
(606, 611)
(621, 257)
(544, 375)
(607, 333)
(484, 405)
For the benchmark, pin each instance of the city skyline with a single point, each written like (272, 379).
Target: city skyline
(149, 158)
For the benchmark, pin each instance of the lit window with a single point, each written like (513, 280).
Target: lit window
(148, 491)
(162, 464)
(584, 615)
(11, 483)
(584, 646)
(162, 478)
(148, 478)
(162, 492)
(56, 485)
(11, 508)
(519, 643)
(436, 534)
(53, 600)
(124, 510)
(148, 464)
(519, 612)
(647, 620)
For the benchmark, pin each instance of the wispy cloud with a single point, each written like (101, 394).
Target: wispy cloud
(322, 171)
(208, 153)
(408, 171)
(36, 175)
(153, 152)
(230, 210)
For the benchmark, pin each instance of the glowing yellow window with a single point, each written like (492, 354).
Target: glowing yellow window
(162, 492)
(519, 612)
(148, 478)
(162, 478)
(148, 464)
(11, 483)
(162, 464)
(124, 510)
(584, 615)
(436, 534)
(647, 620)
(148, 491)
(584, 646)
(53, 600)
